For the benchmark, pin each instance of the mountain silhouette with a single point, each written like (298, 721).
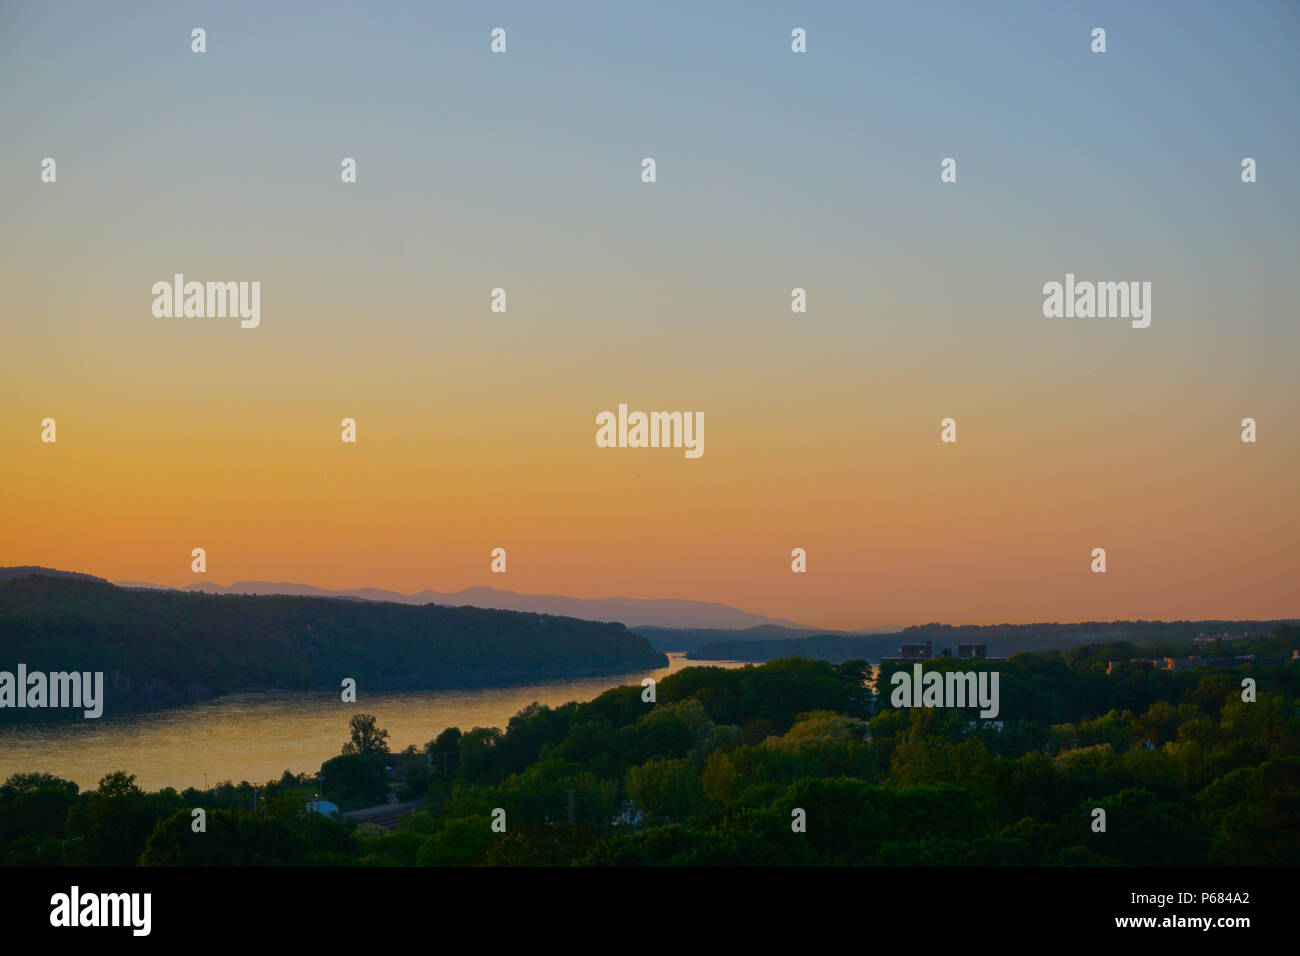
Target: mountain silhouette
(634, 612)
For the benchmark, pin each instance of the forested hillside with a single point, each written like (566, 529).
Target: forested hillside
(165, 647)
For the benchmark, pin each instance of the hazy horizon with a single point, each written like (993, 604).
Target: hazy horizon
(769, 622)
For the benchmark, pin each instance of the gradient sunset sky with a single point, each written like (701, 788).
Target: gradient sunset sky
(775, 170)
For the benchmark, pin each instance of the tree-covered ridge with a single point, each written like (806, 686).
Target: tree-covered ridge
(673, 639)
(712, 771)
(162, 647)
(1003, 640)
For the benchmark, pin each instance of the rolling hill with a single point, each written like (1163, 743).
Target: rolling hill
(164, 647)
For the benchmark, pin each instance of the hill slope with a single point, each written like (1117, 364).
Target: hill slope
(634, 612)
(164, 647)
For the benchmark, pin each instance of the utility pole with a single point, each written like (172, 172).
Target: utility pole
(570, 792)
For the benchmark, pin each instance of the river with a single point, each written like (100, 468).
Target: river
(257, 736)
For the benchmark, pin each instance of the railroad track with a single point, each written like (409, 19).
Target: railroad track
(385, 814)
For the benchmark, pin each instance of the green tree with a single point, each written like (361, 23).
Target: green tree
(667, 789)
(445, 751)
(478, 752)
(366, 739)
(111, 825)
(460, 843)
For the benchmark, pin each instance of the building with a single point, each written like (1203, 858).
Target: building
(921, 651)
(628, 816)
(323, 807)
(924, 651)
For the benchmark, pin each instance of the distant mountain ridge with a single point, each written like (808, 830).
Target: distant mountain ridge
(673, 639)
(634, 612)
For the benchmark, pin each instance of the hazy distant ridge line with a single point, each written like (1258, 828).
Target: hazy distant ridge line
(634, 612)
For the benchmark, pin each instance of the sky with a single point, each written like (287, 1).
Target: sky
(774, 170)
